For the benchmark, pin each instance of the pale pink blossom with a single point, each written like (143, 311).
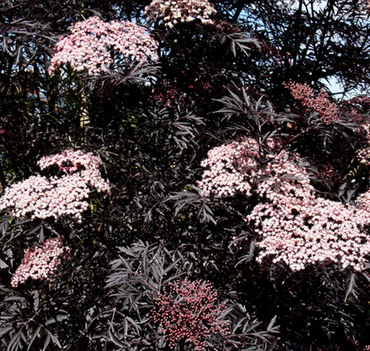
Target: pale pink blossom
(363, 155)
(298, 228)
(171, 13)
(41, 262)
(293, 224)
(231, 169)
(42, 197)
(305, 232)
(96, 47)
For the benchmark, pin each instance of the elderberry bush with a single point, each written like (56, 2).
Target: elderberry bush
(180, 175)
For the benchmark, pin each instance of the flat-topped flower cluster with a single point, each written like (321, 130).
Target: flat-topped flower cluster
(298, 228)
(42, 197)
(171, 13)
(97, 47)
(40, 262)
(293, 224)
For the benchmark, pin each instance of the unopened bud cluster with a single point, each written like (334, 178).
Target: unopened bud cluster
(321, 104)
(171, 13)
(188, 312)
(97, 47)
(42, 197)
(40, 262)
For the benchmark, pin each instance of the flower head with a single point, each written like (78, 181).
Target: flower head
(95, 46)
(40, 262)
(298, 228)
(172, 13)
(294, 226)
(42, 197)
(232, 168)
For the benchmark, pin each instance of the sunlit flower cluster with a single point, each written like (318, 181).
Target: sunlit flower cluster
(95, 46)
(283, 177)
(232, 168)
(42, 197)
(188, 312)
(300, 233)
(298, 228)
(41, 262)
(363, 155)
(171, 13)
(293, 224)
(320, 104)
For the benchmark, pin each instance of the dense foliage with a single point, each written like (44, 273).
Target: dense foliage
(180, 175)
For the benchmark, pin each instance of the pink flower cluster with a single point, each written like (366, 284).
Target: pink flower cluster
(363, 155)
(172, 13)
(43, 197)
(95, 46)
(283, 177)
(188, 313)
(298, 228)
(320, 104)
(40, 262)
(294, 226)
(232, 169)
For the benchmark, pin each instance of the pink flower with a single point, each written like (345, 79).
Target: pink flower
(232, 169)
(172, 13)
(95, 46)
(294, 225)
(41, 262)
(42, 197)
(298, 228)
